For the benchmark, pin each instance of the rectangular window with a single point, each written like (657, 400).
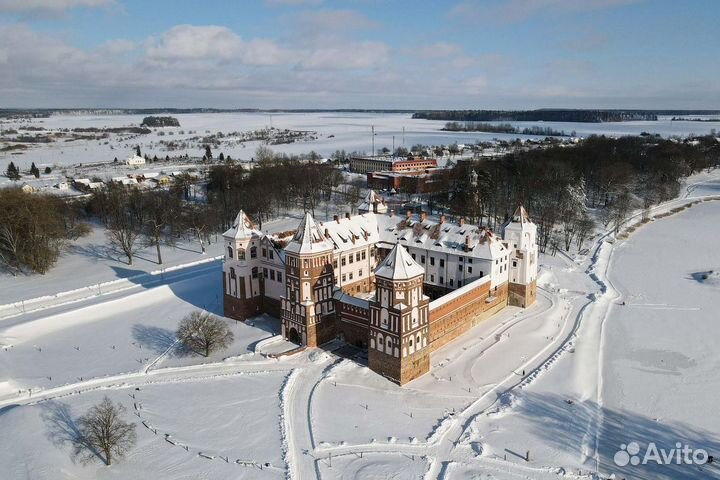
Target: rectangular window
(272, 274)
(279, 276)
(451, 282)
(432, 278)
(344, 277)
(364, 255)
(469, 260)
(422, 259)
(442, 262)
(360, 273)
(514, 263)
(357, 256)
(469, 269)
(413, 255)
(342, 261)
(264, 252)
(442, 280)
(272, 255)
(461, 259)
(459, 268)
(432, 260)
(265, 273)
(350, 258)
(351, 275)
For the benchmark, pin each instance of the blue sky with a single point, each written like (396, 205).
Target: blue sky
(360, 53)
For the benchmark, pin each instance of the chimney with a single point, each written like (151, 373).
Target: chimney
(462, 221)
(327, 233)
(442, 219)
(467, 243)
(366, 235)
(336, 218)
(423, 216)
(347, 215)
(352, 237)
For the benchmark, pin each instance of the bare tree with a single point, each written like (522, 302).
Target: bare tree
(124, 224)
(198, 221)
(103, 430)
(161, 217)
(203, 332)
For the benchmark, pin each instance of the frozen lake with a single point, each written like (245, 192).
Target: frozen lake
(335, 131)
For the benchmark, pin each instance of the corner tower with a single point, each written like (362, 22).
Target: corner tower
(242, 288)
(308, 312)
(399, 319)
(519, 235)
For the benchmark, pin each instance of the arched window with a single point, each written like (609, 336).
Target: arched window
(232, 273)
(411, 342)
(241, 254)
(418, 342)
(253, 252)
(230, 252)
(389, 344)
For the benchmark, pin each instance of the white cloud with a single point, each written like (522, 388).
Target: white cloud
(347, 56)
(116, 47)
(213, 43)
(49, 7)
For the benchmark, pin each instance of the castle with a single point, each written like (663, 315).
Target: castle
(401, 287)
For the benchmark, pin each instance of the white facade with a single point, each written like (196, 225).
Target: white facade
(250, 256)
(135, 160)
(520, 236)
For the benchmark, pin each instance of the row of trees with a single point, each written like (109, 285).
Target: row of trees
(13, 171)
(135, 218)
(276, 184)
(34, 229)
(561, 186)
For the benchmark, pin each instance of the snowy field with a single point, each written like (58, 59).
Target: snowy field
(547, 392)
(335, 131)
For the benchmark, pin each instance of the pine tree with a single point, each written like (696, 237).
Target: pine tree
(221, 157)
(34, 170)
(13, 173)
(208, 152)
(137, 151)
(48, 170)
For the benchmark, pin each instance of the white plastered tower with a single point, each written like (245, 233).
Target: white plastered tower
(241, 278)
(520, 236)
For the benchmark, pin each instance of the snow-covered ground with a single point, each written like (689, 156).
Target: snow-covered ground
(565, 382)
(335, 131)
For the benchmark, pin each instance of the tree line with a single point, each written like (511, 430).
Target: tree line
(504, 128)
(544, 115)
(567, 189)
(34, 229)
(276, 184)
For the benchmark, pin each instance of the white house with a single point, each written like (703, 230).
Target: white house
(135, 160)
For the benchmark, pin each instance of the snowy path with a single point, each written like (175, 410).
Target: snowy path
(575, 336)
